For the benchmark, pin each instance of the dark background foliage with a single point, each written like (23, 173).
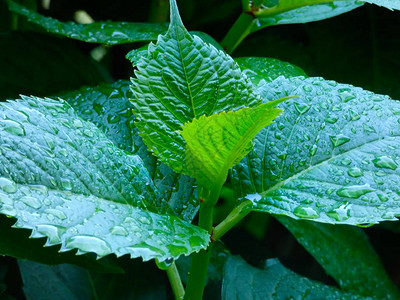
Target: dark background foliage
(360, 48)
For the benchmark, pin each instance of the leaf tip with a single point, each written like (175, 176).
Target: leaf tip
(175, 18)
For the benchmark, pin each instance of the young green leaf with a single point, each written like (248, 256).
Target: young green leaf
(182, 78)
(268, 69)
(331, 158)
(242, 281)
(109, 108)
(216, 143)
(351, 260)
(62, 178)
(110, 33)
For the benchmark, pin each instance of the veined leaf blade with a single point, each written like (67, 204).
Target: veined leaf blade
(109, 108)
(331, 158)
(182, 78)
(62, 178)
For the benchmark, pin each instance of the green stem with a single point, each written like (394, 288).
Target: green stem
(198, 269)
(238, 32)
(235, 216)
(175, 280)
(159, 11)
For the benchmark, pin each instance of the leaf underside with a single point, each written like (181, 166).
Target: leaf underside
(110, 33)
(242, 281)
(332, 157)
(350, 262)
(62, 178)
(182, 78)
(109, 108)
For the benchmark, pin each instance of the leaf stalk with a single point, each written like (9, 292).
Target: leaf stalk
(176, 283)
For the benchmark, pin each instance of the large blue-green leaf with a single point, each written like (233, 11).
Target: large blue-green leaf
(332, 157)
(267, 69)
(390, 4)
(62, 178)
(108, 32)
(242, 281)
(108, 107)
(182, 78)
(346, 254)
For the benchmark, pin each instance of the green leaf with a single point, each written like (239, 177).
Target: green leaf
(215, 144)
(17, 244)
(268, 69)
(61, 282)
(300, 11)
(242, 281)
(390, 4)
(182, 78)
(110, 33)
(332, 157)
(46, 69)
(62, 178)
(109, 108)
(351, 261)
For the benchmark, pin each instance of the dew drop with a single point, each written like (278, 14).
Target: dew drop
(331, 119)
(355, 172)
(52, 233)
(354, 191)
(8, 185)
(31, 201)
(66, 184)
(338, 140)
(119, 230)
(5, 200)
(307, 212)
(385, 162)
(113, 119)
(56, 213)
(339, 214)
(13, 127)
(89, 244)
(302, 107)
(383, 197)
(313, 150)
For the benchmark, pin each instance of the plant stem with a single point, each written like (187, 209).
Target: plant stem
(159, 11)
(199, 267)
(175, 280)
(238, 32)
(234, 217)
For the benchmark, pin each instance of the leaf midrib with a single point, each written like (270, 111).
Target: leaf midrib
(294, 177)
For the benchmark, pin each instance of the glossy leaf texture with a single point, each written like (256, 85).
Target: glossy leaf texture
(242, 281)
(267, 69)
(215, 144)
(109, 108)
(390, 4)
(346, 254)
(332, 157)
(63, 179)
(110, 33)
(303, 11)
(182, 78)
